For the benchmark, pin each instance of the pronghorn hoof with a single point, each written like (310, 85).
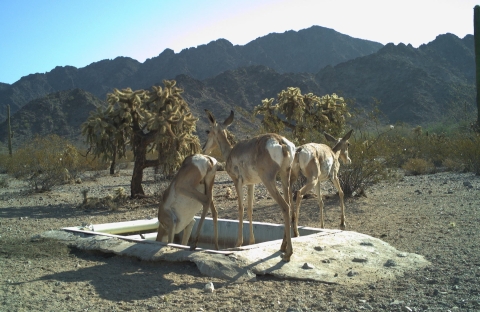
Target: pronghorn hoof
(286, 258)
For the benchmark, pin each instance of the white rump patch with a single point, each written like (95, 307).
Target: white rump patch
(276, 152)
(201, 161)
(304, 157)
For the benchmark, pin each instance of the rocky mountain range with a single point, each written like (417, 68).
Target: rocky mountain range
(413, 85)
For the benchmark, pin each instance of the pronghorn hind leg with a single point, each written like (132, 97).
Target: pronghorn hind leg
(311, 181)
(286, 246)
(336, 182)
(318, 191)
(207, 203)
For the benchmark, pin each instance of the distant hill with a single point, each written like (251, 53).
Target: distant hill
(307, 50)
(59, 113)
(414, 85)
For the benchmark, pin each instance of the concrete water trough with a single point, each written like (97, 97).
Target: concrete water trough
(325, 255)
(227, 232)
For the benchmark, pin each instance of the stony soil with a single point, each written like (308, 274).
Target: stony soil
(435, 215)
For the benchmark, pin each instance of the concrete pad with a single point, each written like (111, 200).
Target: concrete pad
(330, 256)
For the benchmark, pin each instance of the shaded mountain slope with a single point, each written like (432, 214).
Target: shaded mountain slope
(305, 50)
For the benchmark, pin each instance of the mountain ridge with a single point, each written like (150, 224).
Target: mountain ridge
(413, 85)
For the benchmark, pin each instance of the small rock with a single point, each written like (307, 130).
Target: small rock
(209, 288)
(326, 261)
(396, 302)
(467, 184)
(359, 260)
(352, 273)
(390, 263)
(319, 248)
(307, 266)
(401, 255)
(407, 309)
(366, 244)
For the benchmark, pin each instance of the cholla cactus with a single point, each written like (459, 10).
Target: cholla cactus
(306, 115)
(157, 120)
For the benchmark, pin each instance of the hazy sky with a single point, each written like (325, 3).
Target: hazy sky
(37, 35)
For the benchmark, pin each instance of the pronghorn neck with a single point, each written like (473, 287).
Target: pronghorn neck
(224, 144)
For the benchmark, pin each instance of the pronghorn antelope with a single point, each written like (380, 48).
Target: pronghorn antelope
(252, 161)
(319, 162)
(190, 190)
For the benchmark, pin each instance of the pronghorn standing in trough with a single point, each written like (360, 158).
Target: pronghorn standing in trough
(319, 162)
(252, 161)
(190, 190)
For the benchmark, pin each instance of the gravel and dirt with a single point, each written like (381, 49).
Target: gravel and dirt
(437, 216)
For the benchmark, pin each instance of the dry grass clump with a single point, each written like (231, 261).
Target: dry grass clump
(110, 202)
(418, 166)
(453, 165)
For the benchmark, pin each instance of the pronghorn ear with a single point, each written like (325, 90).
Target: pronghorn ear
(330, 137)
(347, 136)
(229, 120)
(210, 116)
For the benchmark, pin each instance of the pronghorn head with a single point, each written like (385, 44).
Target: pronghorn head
(341, 145)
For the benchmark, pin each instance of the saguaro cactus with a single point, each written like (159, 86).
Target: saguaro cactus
(476, 36)
(9, 131)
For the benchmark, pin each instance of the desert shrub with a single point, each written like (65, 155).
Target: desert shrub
(451, 164)
(4, 159)
(367, 168)
(3, 182)
(45, 162)
(417, 166)
(466, 150)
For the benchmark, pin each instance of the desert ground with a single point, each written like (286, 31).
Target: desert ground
(435, 215)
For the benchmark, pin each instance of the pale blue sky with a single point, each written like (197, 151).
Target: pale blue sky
(37, 35)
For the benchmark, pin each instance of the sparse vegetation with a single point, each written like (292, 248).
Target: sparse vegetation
(47, 161)
(110, 202)
(418, 166)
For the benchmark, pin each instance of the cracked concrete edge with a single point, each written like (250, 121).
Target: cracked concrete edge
(212, 265)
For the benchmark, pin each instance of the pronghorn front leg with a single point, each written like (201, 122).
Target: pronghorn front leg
(250, 191)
